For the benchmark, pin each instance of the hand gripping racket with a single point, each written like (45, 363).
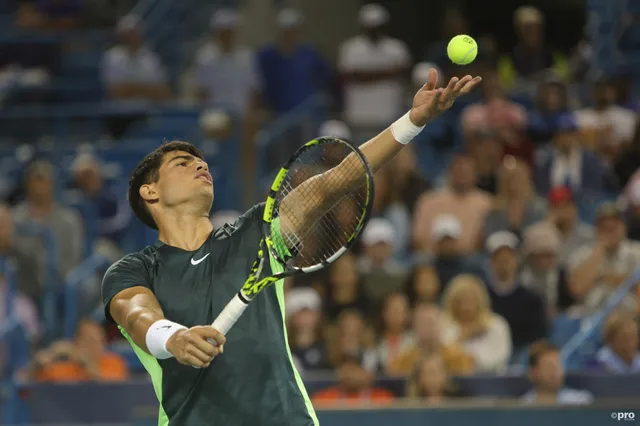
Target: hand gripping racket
(318, 204)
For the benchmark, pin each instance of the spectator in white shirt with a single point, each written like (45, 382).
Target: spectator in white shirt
(608, 127)
(132, 71)
(226, 74)
(597, 270)
(373, 66)
(469, 321)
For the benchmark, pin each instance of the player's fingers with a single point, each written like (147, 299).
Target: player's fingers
(461, 83)
(209, 332)
(200, 354)
(207, 346)
(449, 90)
(432, 80)
(469, 86)
(191, 360)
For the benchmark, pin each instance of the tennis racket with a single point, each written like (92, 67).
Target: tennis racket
(318, 204)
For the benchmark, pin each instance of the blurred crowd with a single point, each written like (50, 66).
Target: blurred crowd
(531, 213)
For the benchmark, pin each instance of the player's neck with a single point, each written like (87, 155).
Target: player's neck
(185, 231)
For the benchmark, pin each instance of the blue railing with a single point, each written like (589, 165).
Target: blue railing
(592, 324)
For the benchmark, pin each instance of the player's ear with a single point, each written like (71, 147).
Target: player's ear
(148, 193)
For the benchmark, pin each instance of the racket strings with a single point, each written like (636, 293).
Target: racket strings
(338, 215)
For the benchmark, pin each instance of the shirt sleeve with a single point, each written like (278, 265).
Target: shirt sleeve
(130, 271)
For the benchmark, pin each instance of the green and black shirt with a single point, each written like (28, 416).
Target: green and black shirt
(254, 382)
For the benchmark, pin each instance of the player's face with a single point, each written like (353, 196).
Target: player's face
(183, 179)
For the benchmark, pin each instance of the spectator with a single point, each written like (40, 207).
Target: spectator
(487, 151)
(530, 57)
(41, 208)
(621, 354)
(355, 386)
(567, 163)
(395, 336)
(428, 342)
(304, 329)
(563, 215)
(430, 381)
(336, 129)
(345, 290)
(523, 309)
(103, 212)
(459, 198)
(547, 377)
(291, 71)
(407, 183)
(631, 199)
(496, 113)
(598, 269)
(423, 285)
(381, 274)
(626, 166)
(541, 272)
(226, 73)
(448, 260)
(132, 71)
(470, 322)
(85, 358)
(552, 103)
(350, 336)
(373, 67)
(26, 263)
(516, 205)
(608, 128)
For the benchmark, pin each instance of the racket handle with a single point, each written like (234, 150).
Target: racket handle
(229, 314)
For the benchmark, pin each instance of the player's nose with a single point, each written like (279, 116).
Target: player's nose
(202, 166)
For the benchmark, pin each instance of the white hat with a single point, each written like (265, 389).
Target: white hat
(289, 18)
(420, 73)
(502, 239)
(336, 129)
(214, 119)
(301, 298)
(224, 19)
(128, 23)
(373, 15)
(378, 230)
(634, 193)
(446, 225)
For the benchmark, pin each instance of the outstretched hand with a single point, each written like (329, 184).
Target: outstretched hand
(430, 102)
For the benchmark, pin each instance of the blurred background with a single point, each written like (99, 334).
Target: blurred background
(495, 283)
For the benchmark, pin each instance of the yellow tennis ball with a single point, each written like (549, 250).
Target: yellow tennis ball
(462, 49)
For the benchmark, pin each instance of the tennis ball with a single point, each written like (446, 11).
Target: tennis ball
(462, 49)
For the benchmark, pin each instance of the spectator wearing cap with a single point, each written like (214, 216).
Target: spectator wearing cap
(621, 352)
(541, 271)
(132, 71)
(304, 328)
(41, 207)
(447, 259)
(291, 71)
(598, 269)
(355, 386)
(567, 163)
(469, 321)
(498, 114)
(374, 68)
(631, 199)
(522, 308)
(226, 73)
(547, 377)
(381, 274)
(516, 205)
(563, 215)
(460, 198)
(531, 56)
(105, 215)
(608, 128)
(551, 103)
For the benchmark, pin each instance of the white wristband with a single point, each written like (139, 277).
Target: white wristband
(403, 130)
(158, 335)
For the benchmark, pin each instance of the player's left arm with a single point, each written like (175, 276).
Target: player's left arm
(428, 103)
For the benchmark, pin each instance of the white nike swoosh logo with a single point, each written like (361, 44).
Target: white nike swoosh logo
(195, 262)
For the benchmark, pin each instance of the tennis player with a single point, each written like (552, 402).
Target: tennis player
(163, 296)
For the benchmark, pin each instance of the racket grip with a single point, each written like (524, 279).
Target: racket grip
(229, 315)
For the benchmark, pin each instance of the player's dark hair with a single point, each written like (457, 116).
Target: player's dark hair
(539, 349)
(147, 172)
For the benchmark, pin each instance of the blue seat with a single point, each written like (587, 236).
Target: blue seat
(564, 328)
